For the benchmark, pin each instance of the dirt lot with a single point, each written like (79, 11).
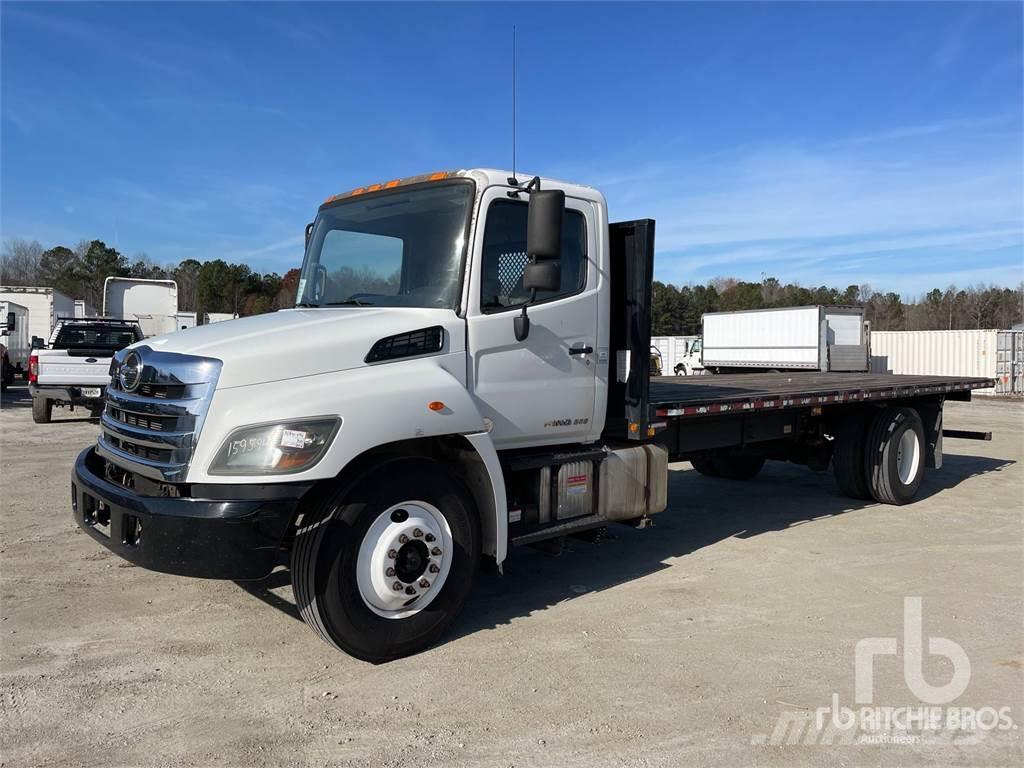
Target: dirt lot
(681, 644)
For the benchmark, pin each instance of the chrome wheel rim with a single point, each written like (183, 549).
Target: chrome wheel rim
(908, 456)
(404, 559)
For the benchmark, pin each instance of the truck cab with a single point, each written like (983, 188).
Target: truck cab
(467, 367)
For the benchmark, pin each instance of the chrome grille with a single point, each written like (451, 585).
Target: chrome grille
(152, 428)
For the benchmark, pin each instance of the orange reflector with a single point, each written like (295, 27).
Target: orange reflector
(436, 405)
(438, 176)
(634, 427)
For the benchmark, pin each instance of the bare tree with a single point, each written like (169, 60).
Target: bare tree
(19, 263)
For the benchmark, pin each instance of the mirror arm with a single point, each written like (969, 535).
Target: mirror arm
(521, 324)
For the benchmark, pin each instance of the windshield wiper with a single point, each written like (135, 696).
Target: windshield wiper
(349, 303)
(305, 304)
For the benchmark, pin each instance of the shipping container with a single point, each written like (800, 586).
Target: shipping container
(1010, 363)
(989, 353)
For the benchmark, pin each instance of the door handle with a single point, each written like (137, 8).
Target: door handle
(580, 351)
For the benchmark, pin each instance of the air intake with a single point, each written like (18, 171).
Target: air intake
(426, 341)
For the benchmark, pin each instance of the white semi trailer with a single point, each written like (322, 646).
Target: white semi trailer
(466, 369)
(812, 338)
(153, 304)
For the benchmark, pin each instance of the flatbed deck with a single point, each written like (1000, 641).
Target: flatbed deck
(701, 395)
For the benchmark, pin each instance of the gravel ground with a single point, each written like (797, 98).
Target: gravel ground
(680, 644)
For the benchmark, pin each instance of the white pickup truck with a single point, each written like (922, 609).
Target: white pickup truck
(467, 368)
(75, 367)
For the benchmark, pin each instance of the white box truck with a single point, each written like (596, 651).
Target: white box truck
(812, 338)
(44, 305)
(466, 369)
(16, 340)
(153, 304)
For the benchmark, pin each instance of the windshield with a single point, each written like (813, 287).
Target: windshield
(399, 249)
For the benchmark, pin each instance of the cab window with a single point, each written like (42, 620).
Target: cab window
(504, 256)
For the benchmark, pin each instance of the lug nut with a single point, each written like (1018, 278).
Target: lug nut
(435, 551)
(430, 537)
(389, 572)
(424, 583)
(397, 586)
(434, 568)
(403, 539)
(410, 590)
(392, 553)
(417, 532)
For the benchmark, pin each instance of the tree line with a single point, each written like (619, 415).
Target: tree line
(216, 286)
(208, 286)
(676, 311)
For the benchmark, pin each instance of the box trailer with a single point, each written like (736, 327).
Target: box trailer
(16, 335)
(151, 303)
(83, 310)
(44, 305)
(217, 317)
(466, 370)
(813, 338)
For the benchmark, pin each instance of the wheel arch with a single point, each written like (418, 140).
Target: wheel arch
(474, 461)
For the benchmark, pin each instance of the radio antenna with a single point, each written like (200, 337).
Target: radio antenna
(513, 180)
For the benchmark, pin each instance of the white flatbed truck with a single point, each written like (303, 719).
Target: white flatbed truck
(466, 369)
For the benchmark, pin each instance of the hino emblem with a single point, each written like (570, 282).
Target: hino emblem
(130, 373)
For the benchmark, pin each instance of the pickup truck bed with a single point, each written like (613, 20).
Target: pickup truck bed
(680, 396)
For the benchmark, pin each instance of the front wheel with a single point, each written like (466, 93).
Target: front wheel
(382, 568)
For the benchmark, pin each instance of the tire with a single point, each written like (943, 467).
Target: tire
(6, 376)
(341, 543)
(704, 465)
(894, 455)
(42, 410)
(848, 455)
(681, 370)
(738, 467)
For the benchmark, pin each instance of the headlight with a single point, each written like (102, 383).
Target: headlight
(275, 449)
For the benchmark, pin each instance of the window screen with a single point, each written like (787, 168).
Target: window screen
(504, 257)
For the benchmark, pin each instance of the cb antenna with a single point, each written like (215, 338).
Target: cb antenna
(513, 180)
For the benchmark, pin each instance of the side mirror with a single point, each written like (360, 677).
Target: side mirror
(309, 233)
(544, 224)
(542, 276)
(12, 321)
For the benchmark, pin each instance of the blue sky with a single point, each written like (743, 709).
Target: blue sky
(820, 143)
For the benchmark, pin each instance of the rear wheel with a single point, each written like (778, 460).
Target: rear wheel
(738, 467)
(894, 455)
(6, 375)
(380, 569)
(42, 410)
(704, 465)
(848, 455)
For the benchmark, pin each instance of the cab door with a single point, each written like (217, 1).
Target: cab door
(540, 390)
